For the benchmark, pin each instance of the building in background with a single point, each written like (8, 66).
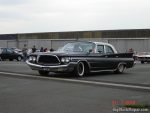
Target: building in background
(138, 39)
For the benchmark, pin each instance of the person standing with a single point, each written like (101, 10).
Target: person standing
(42, 49)
(51, 50)
(34, 49)
(131, 50)
(24, 51)
(45, 50)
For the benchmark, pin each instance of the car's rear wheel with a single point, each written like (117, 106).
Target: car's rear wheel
(43, 73)
(120, 69)
(142, 62)
(19, 58)
(80, 69)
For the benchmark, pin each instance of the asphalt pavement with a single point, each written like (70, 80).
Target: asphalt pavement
(22, 90)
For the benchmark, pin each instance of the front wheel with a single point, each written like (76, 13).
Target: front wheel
(120, 69)
(19, 58)
(80, 69)
(43, 73)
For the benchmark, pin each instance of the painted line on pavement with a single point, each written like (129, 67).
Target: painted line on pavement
(82, 81)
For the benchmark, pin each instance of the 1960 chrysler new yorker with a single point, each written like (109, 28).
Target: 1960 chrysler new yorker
(81, 58)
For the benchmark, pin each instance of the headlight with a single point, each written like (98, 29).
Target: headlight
(32, 58)
(65, 59)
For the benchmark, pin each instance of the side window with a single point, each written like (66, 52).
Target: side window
(109, 50)
(4, 50)
(100, 49)
(1, 50)
(9, 51)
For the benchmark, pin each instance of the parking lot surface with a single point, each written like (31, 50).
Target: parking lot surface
(22, 90)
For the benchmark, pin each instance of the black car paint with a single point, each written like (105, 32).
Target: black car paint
(96, 61)
(8, 53)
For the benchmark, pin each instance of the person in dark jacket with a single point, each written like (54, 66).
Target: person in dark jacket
(34, 49)
(42, 49)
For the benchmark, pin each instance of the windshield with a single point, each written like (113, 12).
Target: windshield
(78, 47)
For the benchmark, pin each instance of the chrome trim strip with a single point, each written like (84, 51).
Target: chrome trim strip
(82, 60)
(103, 70)
(108, 69)
(41, 66)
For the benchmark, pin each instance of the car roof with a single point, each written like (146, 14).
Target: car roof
(94, 42)
(103, 43)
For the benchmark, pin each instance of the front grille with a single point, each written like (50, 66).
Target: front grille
(48, 59)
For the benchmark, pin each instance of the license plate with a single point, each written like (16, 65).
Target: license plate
(46, 69)
(60, 69)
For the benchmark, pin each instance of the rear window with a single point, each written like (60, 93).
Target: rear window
(109, 50)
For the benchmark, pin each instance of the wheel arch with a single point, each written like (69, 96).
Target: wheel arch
(117, 70)
(86, 63)
(86, 68)
(122, 63)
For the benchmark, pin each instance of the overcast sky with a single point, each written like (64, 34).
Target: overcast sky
(27, 16)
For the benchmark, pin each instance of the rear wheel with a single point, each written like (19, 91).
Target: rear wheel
(120, 69)
(43, 72)
(142, 62)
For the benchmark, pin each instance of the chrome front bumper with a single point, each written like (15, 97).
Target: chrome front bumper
(58, 68)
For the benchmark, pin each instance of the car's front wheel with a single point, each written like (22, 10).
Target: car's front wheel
(19, 58)
(80, 69)
(43, 73)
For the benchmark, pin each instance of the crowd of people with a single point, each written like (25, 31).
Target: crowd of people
(27, 51)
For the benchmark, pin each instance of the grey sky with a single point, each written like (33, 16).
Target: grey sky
(26, 16)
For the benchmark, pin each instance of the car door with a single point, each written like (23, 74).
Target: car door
(98, 60)
(111, 59)
(103, 59)
(10, 54)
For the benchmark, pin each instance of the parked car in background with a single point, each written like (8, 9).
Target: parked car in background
(81, 58)
(10, 54)
(17, 50)
(143, 57)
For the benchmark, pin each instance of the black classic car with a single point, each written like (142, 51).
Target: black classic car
(81, 58)
(10, 54)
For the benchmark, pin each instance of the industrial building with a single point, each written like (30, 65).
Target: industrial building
(138, 39)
